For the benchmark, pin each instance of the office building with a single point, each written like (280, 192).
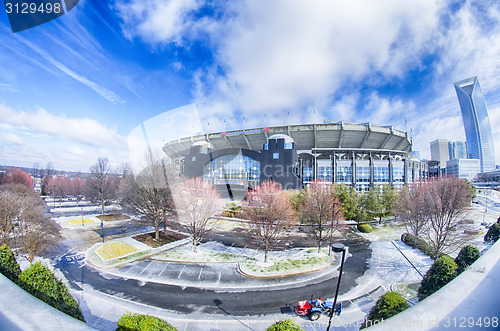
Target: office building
(457, 150)
(476, 123)
(463, 168)
(440, 152)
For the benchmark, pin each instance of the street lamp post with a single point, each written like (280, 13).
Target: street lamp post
(337, 248)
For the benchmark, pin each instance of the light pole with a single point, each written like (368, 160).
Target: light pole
(337, 248)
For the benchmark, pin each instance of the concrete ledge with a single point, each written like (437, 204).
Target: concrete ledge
(469, 301)
(19, 310)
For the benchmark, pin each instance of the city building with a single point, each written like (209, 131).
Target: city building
(476, 123)
(463, 168)
(457, 150)
(440, 152)
(362, 156)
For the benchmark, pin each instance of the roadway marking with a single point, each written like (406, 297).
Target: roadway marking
(145, 268)
(200, 272)
(181, 271)
(220, 273)
(165, 267)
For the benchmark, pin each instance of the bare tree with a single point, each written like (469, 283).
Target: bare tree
(23, 216)
(447, 199)
(270, 213)
(9, 212)
(410, 208)
(35, 231)
(99, 181)
(320, 210)
(149, 192)
(196, 202)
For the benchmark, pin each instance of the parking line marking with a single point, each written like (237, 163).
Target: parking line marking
(181, 271)
(165, 267)
(145, 268)
(220, 273)
(200, 272)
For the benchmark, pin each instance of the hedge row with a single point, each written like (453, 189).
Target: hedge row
(40, 282)
(417, 243)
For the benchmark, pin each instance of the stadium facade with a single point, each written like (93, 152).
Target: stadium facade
(363, 156)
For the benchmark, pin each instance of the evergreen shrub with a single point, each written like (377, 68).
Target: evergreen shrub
(387, 306)
(138, 322)
(284, 325)
(364, 228)
(442, 271)
(468, 255)
(41, 283)
(8, 264)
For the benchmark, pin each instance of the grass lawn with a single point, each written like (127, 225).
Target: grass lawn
(80, 221)
(115, 249)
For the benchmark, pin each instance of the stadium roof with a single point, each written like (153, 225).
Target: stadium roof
(340, 135)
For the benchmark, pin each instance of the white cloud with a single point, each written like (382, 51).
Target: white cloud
(11, 138)
(157, 21)
(82, 130)
(285, 55)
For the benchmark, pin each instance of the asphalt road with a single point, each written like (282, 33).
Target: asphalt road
(191, 299)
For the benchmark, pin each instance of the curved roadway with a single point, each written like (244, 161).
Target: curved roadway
(187, 299)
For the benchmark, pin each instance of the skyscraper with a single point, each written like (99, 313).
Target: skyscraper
(439, 152)
(476, 123)
(457, 150)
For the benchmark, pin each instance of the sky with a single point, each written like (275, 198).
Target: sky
(81, 86)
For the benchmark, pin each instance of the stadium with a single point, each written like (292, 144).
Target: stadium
(363, 156)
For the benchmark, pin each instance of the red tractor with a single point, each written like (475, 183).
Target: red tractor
(314, 308)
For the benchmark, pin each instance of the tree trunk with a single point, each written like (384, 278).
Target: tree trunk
(157, 230)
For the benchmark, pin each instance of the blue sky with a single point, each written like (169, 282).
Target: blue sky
(73, 89)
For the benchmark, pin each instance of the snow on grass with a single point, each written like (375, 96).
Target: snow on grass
(305, 260)
(115, 249)
(202, 255)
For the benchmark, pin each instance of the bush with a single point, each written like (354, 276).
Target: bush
(137, 322)
(8, 264)
(387, 306)
(468, 255)
(365, 228)
(442, 271)
(232, 210)
(41, 283)
(417, 243)
(493, 233)
(284, 325)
